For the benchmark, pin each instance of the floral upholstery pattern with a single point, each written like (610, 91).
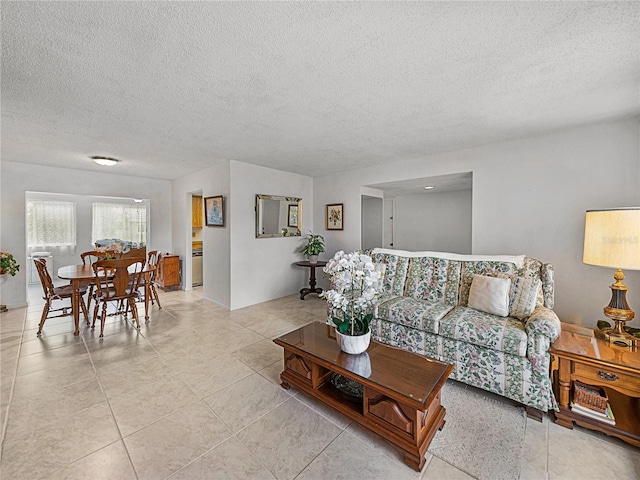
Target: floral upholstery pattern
(414, 313)
(525, 294)
(395, 274)
(423, 309)
(502, 334)
(487, 268)
(546, 275)
(543, 323)
(512, 376)
(434, 280)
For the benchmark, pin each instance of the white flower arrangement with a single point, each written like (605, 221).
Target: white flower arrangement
(354, 279)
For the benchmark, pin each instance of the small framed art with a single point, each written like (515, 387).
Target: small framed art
(334, 216)
(214, 211)
(292, 216)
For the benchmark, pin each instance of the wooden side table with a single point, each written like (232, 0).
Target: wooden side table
(312, 278)
(593, 361)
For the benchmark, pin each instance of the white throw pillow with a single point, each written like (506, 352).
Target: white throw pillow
(490, 294)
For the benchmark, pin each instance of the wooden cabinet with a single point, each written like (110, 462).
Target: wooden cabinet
(196, 211)
(591, 360)
(168, 274)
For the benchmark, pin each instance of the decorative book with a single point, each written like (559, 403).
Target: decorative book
(606, 417)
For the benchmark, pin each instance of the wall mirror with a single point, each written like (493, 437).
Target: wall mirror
(278, 216)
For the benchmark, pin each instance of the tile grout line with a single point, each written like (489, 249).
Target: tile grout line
(110, 411)
(319, 453)
(199, 400)
(546, 439)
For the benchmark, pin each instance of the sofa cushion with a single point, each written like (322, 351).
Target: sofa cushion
(523, 296)
(395, 272)
(414, 313)
(490, 294)
(434, 280)
(504, 334)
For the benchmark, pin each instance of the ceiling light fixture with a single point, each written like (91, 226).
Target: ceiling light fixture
(105, 161)
(429, 187)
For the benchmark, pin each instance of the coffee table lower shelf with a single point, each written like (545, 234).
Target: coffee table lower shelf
(383, 412)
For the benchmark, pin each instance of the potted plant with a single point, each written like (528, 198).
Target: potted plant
(8, 264)
(354, 279)
(314, 247)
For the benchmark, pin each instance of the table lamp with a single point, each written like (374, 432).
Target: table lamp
(612, 239)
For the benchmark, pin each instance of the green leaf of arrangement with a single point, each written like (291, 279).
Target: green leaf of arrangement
(337, 321)
(343, 327)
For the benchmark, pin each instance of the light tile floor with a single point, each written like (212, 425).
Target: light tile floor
(195, 395)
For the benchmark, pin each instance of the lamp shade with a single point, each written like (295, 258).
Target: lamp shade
(612, 238)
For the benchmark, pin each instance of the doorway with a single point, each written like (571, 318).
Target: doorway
(197, 240)
(371, 224)
(429, 213)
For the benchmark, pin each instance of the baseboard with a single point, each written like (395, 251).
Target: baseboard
(16, 305)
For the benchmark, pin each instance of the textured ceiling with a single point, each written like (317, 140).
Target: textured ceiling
(173, 87)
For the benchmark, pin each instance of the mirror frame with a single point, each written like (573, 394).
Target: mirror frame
(282, 199)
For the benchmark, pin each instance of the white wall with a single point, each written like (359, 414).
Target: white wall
(264, 268)
(433, 221)
(17, 178)
(240, 269)
(216, 264)
(529, 197)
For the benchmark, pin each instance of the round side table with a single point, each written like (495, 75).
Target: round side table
(312, 278)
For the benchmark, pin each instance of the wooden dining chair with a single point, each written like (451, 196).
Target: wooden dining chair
(54, 294)
(91, 257)
(152, 261)
(117, 281)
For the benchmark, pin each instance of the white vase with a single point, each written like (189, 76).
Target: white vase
(354, 344)
(313, 259)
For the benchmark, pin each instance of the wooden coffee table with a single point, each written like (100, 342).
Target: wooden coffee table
(401, 390)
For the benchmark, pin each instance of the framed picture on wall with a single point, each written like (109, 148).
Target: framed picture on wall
(214, 211)
(334, 216)
(292, 216)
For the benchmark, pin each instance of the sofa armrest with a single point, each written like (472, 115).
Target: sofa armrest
(543, 322)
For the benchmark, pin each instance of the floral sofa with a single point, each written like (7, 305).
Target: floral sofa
(424, 308)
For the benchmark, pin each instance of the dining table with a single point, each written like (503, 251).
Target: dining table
(81, 275)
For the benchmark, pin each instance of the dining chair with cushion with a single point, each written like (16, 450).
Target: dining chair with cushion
(56, 294)
(117, 281)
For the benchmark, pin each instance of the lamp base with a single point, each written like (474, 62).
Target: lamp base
(618, 310)
(624, 341)
(618, 337)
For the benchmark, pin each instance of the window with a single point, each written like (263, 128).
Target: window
(51, 224)
(119, 221)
